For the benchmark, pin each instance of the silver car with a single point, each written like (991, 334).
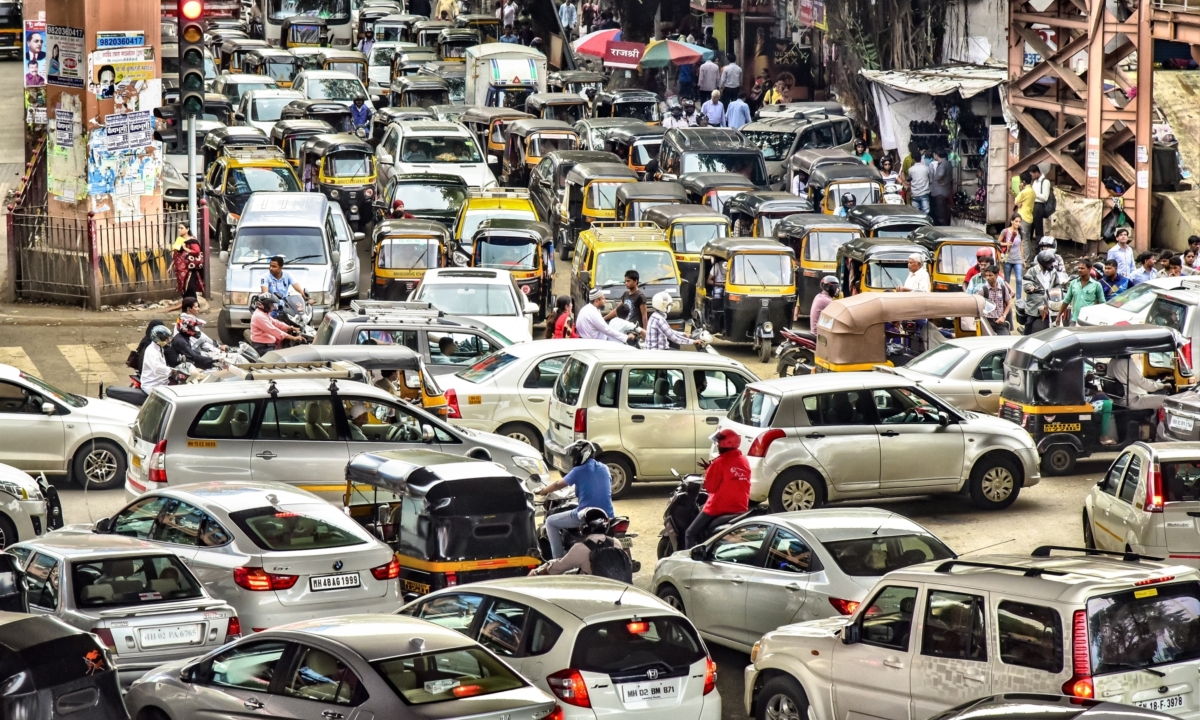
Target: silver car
(354, 667)
(775, 570)
(968, 371)
(275, 553)
(140, 600)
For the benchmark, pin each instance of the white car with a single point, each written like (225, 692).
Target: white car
(603, 648)
(276, 553)
(332, 85)
(262, 108)
(44, 429)
(489, 296)
(775, 570)
(379, 66)
(508, 392)
(430, 146)
(968, 371)
(346, 239)
(25, 512)
(1132, 305)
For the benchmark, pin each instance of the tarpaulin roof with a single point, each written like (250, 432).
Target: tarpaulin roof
(967, 80)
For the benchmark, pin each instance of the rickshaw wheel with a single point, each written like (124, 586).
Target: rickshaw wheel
(1059, 460)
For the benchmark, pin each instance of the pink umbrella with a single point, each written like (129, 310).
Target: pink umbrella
(595, 43)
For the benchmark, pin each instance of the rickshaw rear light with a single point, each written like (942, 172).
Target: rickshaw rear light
(451, 579)
(452, 403)
(581, 421)
(106, 638)
(158, 463)
(234, 631)
(762, 443)
(1080, 684)
(569, 686)
(391, 571)
(1154, 493)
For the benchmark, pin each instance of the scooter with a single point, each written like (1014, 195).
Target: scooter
(618, 527)
(685, 504)
(797, 354)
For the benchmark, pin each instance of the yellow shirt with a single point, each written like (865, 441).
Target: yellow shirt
(1025, 204)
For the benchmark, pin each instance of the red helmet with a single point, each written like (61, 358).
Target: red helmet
(727, 439)
(983, 252)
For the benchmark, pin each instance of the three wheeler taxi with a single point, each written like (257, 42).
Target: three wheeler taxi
(306, 57)
(828, 183)
(636, 145)
(218, 107)
(279, 65)
(396, 27)
(568, 107)
(452, 43)
(451, 521)
(590, 195)
(888, 221)
(347, 61)
(609, 249)
(425, 32)
(335, 114)
(408, 62)
(303, 31)
(367, 17)
(526, 142)
(952, 252)
(342, 167)
(237, 136)
(455, 76)
(801, 164)
(232, 50)
(815, 239)
(757, 296)
(634, 199)
(489, 124)
(637, 104)
(869, 264)
(714, 189)
(488, 26)
(575, 81)
(422, 91)
(521, 247)
(1061, 386)
(688, 228)
(402, 251)
(758, 213)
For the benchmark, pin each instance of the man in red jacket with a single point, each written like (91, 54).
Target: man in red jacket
(727, 481)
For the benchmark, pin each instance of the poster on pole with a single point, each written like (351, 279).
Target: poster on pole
(65, 47)
(128, 131)
(35, 53)
(108, 40)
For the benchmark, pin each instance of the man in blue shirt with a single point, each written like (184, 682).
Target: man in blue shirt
(509, 36)
(1145, 270)
(277, 282)
(1112, 282)
(593, 489)
(360, 114)
(738, 112)
(1122, 253)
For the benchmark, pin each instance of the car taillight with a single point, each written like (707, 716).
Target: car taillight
(710, 676)
(1162, 415)
(568, 686)
(157, 464)
(1154, 493)
(452, 403)
(391, 571)
(581, 421)
(106, 638)
(1185, 352)
(845, 607)
(260, 580)
(555, 714)
(1080, 684)
(759, 447)
(234, 631)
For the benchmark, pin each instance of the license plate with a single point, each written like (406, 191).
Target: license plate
(333, 582)
(561, 464)
(353, 216)
(1182, 423)
(170, 635)
(137, 461)
(1164, 703)
(649, 691)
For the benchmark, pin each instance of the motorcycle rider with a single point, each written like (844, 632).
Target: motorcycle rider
(1039, 280)
(593, 489)
(1049, 243)
(200, 342)
(727, 482)
(265, 331)
(155, 370)
(277, 282)
(659, 334)
(830, 288)
(593, 523)
(189, 329)
(983, 258)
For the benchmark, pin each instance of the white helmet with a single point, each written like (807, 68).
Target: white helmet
(662, 301)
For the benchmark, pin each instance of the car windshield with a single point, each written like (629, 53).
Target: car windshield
(507, 253)
(692, 237)
(743, 163)
(461, 673)
(382, 55)
(406, 253)
(349, 164)
(644, 152)
(299, 527)
(46, 388)
(822, 245)
(1144, 627)
(774, 145)
(633, 645)
(956, 259)
(133, 580)
(652, 265)
(279, 10)
(445, 149)
(354, 68)
(295, 244)
(875, 556)
(644, 111)
(426, 196)
(545, 143)
(243, 181)
(340, 89)
(1135, 299)
(864, 193)
(469, 298)
(938, 361)
(268, 109)
(487, 367)
(603, 195)
(761, 269)
(148, 425)
(471, 220)
(754, 408)
(1180, 479)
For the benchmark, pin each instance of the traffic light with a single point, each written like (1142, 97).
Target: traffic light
(191, 57)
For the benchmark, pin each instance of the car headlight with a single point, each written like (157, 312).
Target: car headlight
(14, 489)
(237, 298)
(531, 465)
(172, 172)
(754, 651)
(316, 298)
(232, 218)
(461, 259)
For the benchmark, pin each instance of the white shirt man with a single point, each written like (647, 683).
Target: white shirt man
(1128, 372)
(707, 77)
(590, 324)
(918, 276)
(155, 370)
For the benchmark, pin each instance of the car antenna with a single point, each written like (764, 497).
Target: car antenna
(618, 602)
(985, 547)
(889, 517)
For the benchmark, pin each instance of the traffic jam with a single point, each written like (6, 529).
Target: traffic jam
(479, 311)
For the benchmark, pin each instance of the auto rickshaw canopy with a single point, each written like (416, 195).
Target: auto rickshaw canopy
(666, 191)
(303, 31)
(561, 80)
(664, 215)
(334, 113)
(796, 226)
(851, 330)
(762, 202)
(538, 233)
(726, 247)
(700, 184)
(879, 216)
(805, 161)
(584, 173)
(1053, 348)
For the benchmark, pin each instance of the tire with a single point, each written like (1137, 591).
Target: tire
(764, 351)
(1059, 460)
(99, 465)
(622, 474)
(152, 713)
(786, 367)
(995, 483)
(796, 489)
(1089, 541)
(664, 547)
(781, 698)
(668, 594)
(223, 238)
(564, 251)
(224, 332)
(522, 432)
(8, 532)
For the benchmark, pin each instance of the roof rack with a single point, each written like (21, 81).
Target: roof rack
(254, 153)
(406, 307)
(291, 370)
(1045, 550)
(501, 193)
(625, 224)
(949, 565)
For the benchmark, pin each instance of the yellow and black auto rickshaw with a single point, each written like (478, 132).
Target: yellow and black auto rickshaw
(303, 31)
(488, 124)
(815, 238)
(402, 251)
(1061, 386)
(828, 184)
(575, 81)
(488, 26)
(746, 289)
(421, 91)
(334, 113)
(636, 145)
(396, 27)
(952, 251)
(526, 142)
(758, 213)
(590, 195)
(342, 167)
(522, 248)
(232, 50)
(426, 32)
(279, 65)
(637, 104)
(869, 264)
(888, 221)
(347, 61)
(218, 140)
(634, 199)
(714, 189)
(452, 43)
(290, 135)
(306, 57)
(801, 164)
(688, 228)
(568, 107)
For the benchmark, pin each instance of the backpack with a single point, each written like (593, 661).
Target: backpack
(610, 561)
(1051, 205)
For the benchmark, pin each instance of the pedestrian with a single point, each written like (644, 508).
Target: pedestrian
(1024, 208)
(1112, 282)
(687, 81)
(608, 22)
(633, 298)
(974, 276)
(913, 157)
(731, 80)
(941, 188)
(509, 16)
(1175, 266)
(1041, 195)
(675, 119)
(568, 16)
(561, 323)
(446, 9)
(509, 36)
(755, 97)
(422, 8)
(1189, 261)
(588, 15)
(918, 276)
(918, 182)
(888, 170)
(710, 40)
(1145, 270)
(778, 93)
(590, 324)
(1164, 262)
(713, 111)
(1083, 291)
(1011, 244)
(727, 482)
(1194, 246)
(708, 77)
(1000, 295)
(738, 112)
(863, 153)
(1122, 253)
(188, 263)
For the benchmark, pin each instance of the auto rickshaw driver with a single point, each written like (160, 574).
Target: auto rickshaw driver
(848, 203)
(716, 280)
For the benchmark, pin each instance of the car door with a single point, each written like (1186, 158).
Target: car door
(776, 592)
(377, 425)
(299, 443)
(717, 590)
(195, 536)
(43, 581)
(1105, 532)
(320, 684)
(987, 380)
(657, 424)
(536, 386)
(137, 519)
(871, 676)
(715, 391)
(916, 451)
(1125, 512)
(454, 611)
(236, 684)
(952, 665)
(841, 437)
(214, 185)
(33, 440)
(450, 352)
(220, 442)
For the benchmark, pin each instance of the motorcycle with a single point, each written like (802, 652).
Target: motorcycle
(564, 500)
(1035, 297)
(135, 395)
(797, 354)
(685, 504)
(891, 194)
(294, 312)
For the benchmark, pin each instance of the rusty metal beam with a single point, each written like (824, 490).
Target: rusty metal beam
(1075, 108)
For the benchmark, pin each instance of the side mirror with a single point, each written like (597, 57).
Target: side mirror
(188, 673)
(493, 160)
(943, 419)
(385, 158)
(427, 434)
(359, 237)
(48, 408)
(699, 553)
(239, 116)
(530, 308)
(380, 205)
(224, 256)
(337, 257)
(103, 526)
(585, 277)
(851, 634)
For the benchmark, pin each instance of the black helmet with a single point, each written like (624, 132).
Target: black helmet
(593, 521)
(266, 301)
(1046, 259)
(830, 284)
(849, 199)
(581, 451)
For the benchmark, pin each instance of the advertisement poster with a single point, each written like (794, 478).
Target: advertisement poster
(64, 129)
(66, 164)
(127, 131)
(119, 179)
(65, 47)
(35, 106)
(120, 39)
(35, 53)
(110, 69)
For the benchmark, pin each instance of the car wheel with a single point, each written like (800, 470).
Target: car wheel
(99, 465)
(994, 483)
(664, 547)
(8, 532)
(152, 713)
(669, 595)
(796, 489)
(1059, 460)
(781, 698)
(522, 432)
(1089, 541)
(622, 474)
(224, 332)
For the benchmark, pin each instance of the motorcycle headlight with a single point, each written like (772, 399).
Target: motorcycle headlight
(461, 259)
(237, 298)
(531, 465)
(14, 489)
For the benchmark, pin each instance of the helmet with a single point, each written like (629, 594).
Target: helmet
(361, 96)
(984, 253)
(662, 301)
(688, 102)
(581, 451)
(266, 301)
(593, 520)
(189, 326)
(161, 334)
(830, 284)
(849, 199)
(1046, 259)
(1048, 241)
(726, 439)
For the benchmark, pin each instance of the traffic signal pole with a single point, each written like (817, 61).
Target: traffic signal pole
(191, 141)
(191, 87)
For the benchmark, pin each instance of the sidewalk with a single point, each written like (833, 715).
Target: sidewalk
(29, 314)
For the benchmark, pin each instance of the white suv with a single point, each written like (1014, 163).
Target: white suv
(490, 296)
(932, 636)
(428, 146)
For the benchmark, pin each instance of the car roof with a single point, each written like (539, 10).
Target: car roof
(589, 598)
(95, 544)
(535, 348)
(670, 357)
(825, 382)
(324, 74)
(235, 495)
(256, 388)
(847, 523)
(275, 92)
(291, 209)
(245, 77)
(477, 275)
(430, 127)
(1173, 450)
(376, 637)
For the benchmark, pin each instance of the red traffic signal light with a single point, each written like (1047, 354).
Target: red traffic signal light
(191, 9)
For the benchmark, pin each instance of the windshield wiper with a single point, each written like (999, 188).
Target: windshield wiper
(305, 257)
(421, 259)
(750, 266)
(1110, 667)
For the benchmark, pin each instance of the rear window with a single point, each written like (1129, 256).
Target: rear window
(876, 556)
(310, 527)
(148, 426)
(1167, 313)
(1179, 480)
(121, 581)
(1144, 627)
(487, 367)
(621, 646)
(448, 675)
(570, 382)
(939, 361)
(754, 408)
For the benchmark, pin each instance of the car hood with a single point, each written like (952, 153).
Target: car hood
(1104, 314)
(829, 627)
(978, 422)
(499, 444)
(240, 278)
(105, 410)
(477, 175)
(514, 328)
